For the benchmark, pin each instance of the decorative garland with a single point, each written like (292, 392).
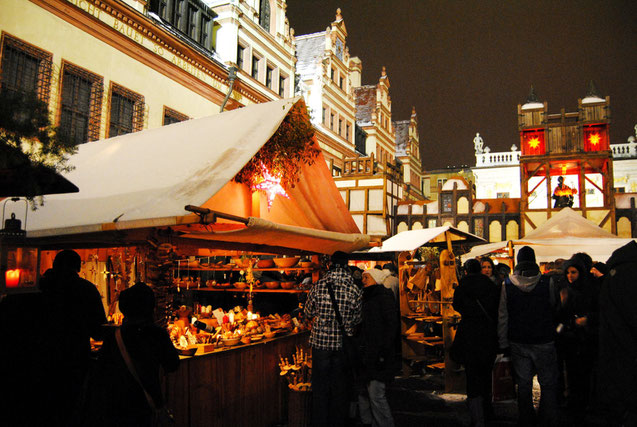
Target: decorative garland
(281, 157)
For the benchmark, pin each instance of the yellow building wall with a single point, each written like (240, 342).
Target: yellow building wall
(36, 26)
(623, 228)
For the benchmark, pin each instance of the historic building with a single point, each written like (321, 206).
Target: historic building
(408, 153)
(255, 36)
(108, 67)
(324, 69)
(565, 159)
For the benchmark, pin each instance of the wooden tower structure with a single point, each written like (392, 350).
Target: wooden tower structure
(566, 161)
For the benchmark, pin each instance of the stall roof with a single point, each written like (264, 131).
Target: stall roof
(145, 179)
(564, 234)
(413, 239)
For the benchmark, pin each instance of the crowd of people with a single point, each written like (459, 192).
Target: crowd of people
(556, 323)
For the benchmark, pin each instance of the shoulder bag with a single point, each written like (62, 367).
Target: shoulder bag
(349, 347)
(161, 416)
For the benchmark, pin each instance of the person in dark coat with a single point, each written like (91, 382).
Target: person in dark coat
(618, 337)
(576, 342)
(476, 298)
(116, 398)
(489, 270)
(73, 314)
(377, 338)
(526, 329)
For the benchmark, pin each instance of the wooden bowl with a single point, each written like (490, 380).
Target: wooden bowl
(240, 285)
(243, 263)
(286, 262)
(190, 351)
(265, 263)
(288, 285)
(229, 342)
(269, 334)
(272, 285)
(305, 264)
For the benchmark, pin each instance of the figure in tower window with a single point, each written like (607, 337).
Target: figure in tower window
(563, 194)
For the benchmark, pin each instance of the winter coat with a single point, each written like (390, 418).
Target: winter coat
(618, 332)
(477, 330)
(378, 334)
(581, 301)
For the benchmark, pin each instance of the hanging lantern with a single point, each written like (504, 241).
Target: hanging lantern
(270, 185)
(595, 138)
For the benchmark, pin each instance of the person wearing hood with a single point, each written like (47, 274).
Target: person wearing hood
(476, 299)
(618, 337)
(526, 328)
(577, 318)
(377, 338)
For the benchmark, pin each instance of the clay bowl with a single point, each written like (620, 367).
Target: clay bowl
(229, 342)
(288, 285)
(242, 263)
(265, 263)
(269, 334)
(240, 285)
(272, 285)
(286, 262)
(305, 264)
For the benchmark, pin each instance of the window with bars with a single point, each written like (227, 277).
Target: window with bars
(126, 111)
(80, 104)
(171, 116)
(25, 68)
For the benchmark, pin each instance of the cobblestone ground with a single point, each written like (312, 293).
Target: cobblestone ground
(421, 401)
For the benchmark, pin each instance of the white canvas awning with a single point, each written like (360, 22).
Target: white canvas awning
(564, 234)
(145, 179)
(413, 239)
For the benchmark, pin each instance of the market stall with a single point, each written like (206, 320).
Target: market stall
(426, 292)
(564, 234)
(198, 196)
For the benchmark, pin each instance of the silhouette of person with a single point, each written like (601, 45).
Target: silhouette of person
(563, 194)
(73, 314)
(115, 397)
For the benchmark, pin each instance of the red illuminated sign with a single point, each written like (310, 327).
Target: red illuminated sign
(533, 143)
(595, 138)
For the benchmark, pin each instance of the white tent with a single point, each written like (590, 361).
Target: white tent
(143, 181)
(564, 234)
(410, 240)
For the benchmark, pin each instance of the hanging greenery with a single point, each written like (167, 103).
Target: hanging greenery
(284, 153)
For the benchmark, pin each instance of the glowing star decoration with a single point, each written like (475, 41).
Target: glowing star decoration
(534, 142)
(594, 139)
(271, 185)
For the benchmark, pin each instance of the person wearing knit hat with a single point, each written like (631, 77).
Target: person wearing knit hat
(377, 336)
(476, 299)
(526, 329)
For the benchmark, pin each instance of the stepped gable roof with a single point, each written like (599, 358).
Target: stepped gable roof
(402, 136)
(365, 99)
(309, 53)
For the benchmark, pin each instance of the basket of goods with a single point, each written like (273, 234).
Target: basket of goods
(230, 340)
(286, 262)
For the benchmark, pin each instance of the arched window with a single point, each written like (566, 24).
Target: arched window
(264, 15)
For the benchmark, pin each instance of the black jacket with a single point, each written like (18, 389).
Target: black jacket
(618, 331)
(477, 328)
(378, 333)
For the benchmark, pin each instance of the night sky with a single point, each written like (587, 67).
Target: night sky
(466, 65)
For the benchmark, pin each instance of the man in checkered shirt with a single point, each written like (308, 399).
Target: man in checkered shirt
(330, 380)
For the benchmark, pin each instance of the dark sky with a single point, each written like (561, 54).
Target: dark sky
(466, 65)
